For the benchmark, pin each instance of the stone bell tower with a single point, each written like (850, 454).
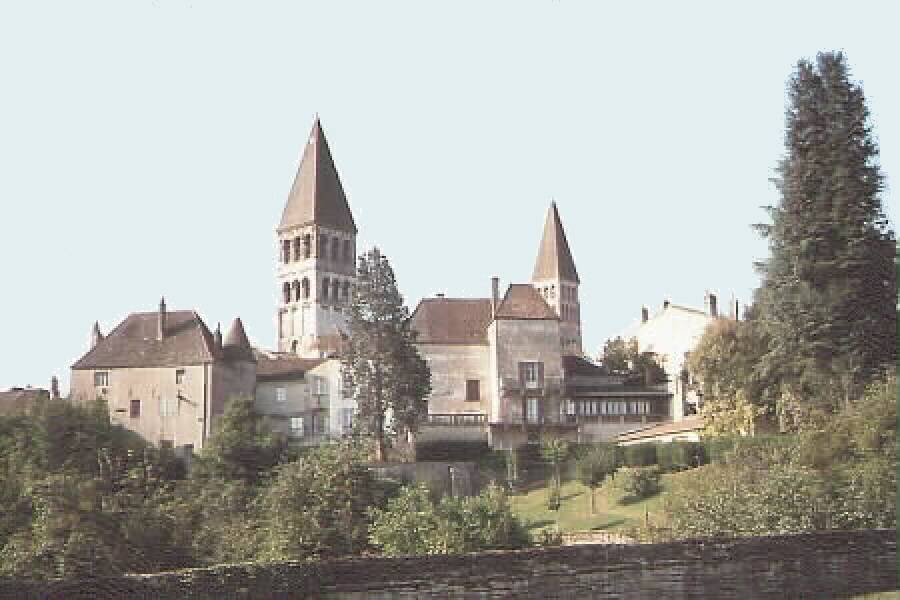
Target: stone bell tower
(557, 280)
(316, 265)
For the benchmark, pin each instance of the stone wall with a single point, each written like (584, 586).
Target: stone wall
(819, 565)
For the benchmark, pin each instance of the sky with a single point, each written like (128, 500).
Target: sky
(148, 148)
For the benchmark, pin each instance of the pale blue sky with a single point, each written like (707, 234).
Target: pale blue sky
(148, 148)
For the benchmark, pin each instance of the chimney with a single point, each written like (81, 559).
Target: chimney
(713, 307)
(217, 336)
(737, 309)
(645, 314)
(439, 295)
(495, 294)
(96, 336)
(54, 388)
(161, 332)
(666, 304)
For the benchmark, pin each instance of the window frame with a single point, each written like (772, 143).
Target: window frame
(473, 390)
(134, 414)
(101, 378)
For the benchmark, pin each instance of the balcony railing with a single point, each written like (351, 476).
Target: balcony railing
(456, 419)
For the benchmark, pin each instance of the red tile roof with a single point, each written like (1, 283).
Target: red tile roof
(523, 301)
(452, 320)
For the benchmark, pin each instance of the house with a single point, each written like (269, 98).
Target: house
(19, 400)
(508, 370)
(671, 334)
(165, 375)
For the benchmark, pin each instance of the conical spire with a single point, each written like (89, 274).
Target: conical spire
(554, 259)
(237, 337)
(317, 195)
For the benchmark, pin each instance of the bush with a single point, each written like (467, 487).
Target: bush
(637, 483)
(640, 455)
(679, 455)
(452, 451)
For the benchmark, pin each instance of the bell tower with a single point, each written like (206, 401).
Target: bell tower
(557, 280)
(316, 255)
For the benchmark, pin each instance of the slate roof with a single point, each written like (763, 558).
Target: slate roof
(691, 423)
(554, 259)
(452, 320)
(236, 345)
(317, 195)
(284, 367)
(19, 400)
(134, 343)
(523, 301)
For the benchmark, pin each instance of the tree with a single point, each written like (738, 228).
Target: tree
(554, 450)
(380, 363)
(621, 357)
(242, 446)
(829, 286)
(594, 467)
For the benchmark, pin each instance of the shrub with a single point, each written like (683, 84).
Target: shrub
(637, 483)
(452, 451)
(679, 455)
(640, 455)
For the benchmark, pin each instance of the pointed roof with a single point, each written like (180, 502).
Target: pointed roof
(523, 301)
(317, 195)
(554, 259)
(236, 344)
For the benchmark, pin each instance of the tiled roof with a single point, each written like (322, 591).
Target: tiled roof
(284, 367)
(523, 301)
(452, 320)
(554, 259)
(134, 343)
(236, 345)
(691, 423)
(18, 400)
(317, 195)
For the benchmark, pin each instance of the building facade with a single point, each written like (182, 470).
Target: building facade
(165, 376)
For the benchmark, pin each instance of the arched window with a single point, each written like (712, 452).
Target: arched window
(335, 249)
(286, 291)
(347, 292)
(348, 251)
(297, 248)
(294, 346)
(335, 290)
(296, 286)
(306, 245)
(324, 294)
(286, 251)
(323, 246)
(305, 286)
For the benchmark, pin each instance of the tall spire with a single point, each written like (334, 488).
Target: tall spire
(317, 195)
(554, 259)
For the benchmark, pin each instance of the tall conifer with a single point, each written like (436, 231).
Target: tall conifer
(829, 285)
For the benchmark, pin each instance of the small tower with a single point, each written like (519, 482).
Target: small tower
(316, 255)
(557, 280)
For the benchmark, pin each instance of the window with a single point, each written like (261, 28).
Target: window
(325, 283)
(531, 410)
(101, 378)
(296, 286)
(335, 249)
(347, 418)
(135, 409)
(531, 374)
(305, 287)
(168, 407)
(472, 390)
(166, 444)
(307, 246)
(297, 426)
(571, 407)
(348, 251)
(347, 292)
(335, 289)
(320, 386)
(323, 246)
(280, 394)
(297, 248)
(286, 251)
(179, 376)
(286, 292)
(319, 424)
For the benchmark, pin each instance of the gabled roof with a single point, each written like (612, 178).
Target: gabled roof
(317, 195)
(452, 320)
(523, 301)
(134, 343)
(284, 367)
(554, 259)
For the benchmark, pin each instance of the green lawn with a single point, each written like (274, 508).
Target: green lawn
(575, 512)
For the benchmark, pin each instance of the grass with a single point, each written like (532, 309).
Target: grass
(575, 513)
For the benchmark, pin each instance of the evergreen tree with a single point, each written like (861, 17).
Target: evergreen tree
(381, 366)
(829, 288)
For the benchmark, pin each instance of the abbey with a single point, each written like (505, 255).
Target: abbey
(506, 368)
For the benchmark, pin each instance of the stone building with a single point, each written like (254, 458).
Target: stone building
(165, 375)
(507, 370)
(671, 334)
(316, 255)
